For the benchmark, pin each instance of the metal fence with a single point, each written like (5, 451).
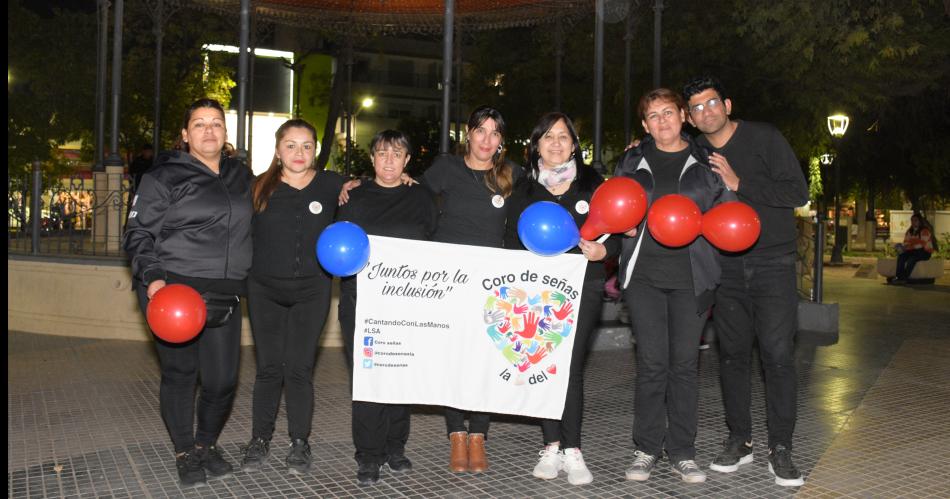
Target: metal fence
(81, 215)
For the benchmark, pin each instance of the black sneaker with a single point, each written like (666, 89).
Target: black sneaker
(212, 461)
(298, 459)
(367, 474)
(399, 463)
(781, 465)
(190, 471)
(734, 453)
(255, 454)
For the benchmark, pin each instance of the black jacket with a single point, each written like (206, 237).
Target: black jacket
(696, 182)
(188, 221)
(527, 191)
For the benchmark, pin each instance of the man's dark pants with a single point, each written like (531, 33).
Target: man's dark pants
(758, 300)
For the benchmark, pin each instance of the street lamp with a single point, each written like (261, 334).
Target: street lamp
(837, 126)
(818, 283)
(350, 124)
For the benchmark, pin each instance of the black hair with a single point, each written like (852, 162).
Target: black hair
(499, 178)
(393, 138)
(583, 179)
(699, 84)
(203, 102)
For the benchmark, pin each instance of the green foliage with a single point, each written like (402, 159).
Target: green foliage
(361, 165)
(815, 188)
(51, 99)
(424, 135)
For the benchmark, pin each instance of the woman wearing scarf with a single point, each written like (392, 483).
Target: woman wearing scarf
(555, 173)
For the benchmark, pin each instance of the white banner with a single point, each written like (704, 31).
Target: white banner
(478, 329)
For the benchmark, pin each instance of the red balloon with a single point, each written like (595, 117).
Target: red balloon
(732, 226)
(176, 313)
(618, 205)
(675, 220)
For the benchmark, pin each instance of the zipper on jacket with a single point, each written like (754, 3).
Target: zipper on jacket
(227, 250)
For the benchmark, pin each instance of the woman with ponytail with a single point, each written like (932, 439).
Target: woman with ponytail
(288, 291)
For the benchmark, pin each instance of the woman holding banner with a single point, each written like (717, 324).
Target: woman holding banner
(555, 175)
(473, 190)
(190, 223)
(669, 291)
(288, 291)
(383, 207)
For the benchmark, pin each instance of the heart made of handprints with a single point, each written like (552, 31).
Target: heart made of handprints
(526, 329)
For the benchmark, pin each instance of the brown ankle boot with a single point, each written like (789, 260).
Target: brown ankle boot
(477, 462)
(458, 459)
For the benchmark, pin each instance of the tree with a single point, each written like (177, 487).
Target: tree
(52, 97)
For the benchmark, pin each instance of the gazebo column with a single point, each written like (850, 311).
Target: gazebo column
(107, 227)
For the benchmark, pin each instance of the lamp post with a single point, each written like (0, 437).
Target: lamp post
(350, 131)
(837, 126)
(818, 284)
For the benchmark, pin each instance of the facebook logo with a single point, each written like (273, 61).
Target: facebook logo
(367, 363)
(368, 341)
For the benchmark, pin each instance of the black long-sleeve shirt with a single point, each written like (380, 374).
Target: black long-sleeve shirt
(770, 181)
(470, 212)
(404, 211)
(285, 233)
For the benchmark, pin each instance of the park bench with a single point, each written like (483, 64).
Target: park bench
(925, 272)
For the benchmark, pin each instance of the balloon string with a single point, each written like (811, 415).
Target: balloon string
(603, 238)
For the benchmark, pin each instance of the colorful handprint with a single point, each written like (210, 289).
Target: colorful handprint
(527, 329)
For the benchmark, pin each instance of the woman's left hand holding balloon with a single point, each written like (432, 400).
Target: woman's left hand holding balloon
(592, 250)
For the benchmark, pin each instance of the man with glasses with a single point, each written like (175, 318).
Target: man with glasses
(757, 299)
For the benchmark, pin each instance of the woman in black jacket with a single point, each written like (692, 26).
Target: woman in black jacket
(190, 223)
(555, 174)
(288, 291)
(669, 291)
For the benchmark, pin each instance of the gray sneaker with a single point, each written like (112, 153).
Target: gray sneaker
(734, 453)
(642, 466)
(689, 471)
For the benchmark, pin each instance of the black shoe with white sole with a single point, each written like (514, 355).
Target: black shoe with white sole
(734, 453)
(781, 465)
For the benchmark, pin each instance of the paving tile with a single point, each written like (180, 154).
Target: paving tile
(83, 421)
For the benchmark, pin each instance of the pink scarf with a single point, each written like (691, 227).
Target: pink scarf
(550, 177)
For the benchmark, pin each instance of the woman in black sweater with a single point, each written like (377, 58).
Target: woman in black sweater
(382, 207)
(555, 174)
(288, 291)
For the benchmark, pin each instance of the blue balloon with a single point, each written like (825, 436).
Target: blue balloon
(547, 229)
(343, 249)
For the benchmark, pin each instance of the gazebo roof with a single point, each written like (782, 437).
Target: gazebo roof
(406, 16)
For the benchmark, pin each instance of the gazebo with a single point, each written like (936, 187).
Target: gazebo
(368, 18)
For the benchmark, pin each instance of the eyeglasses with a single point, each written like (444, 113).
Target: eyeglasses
(711, 104)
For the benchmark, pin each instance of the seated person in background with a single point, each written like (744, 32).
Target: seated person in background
(919, 244)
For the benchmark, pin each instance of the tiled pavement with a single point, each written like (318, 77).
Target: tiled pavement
(874, 420)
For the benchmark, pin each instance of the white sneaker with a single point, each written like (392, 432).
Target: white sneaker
(549, 464)
(573, 464)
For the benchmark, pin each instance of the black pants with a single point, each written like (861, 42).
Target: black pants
(287, 319)
(758, 300)
(567, 430)
(907, 260)
(379, 430)
(213, 358)
(667, 331)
